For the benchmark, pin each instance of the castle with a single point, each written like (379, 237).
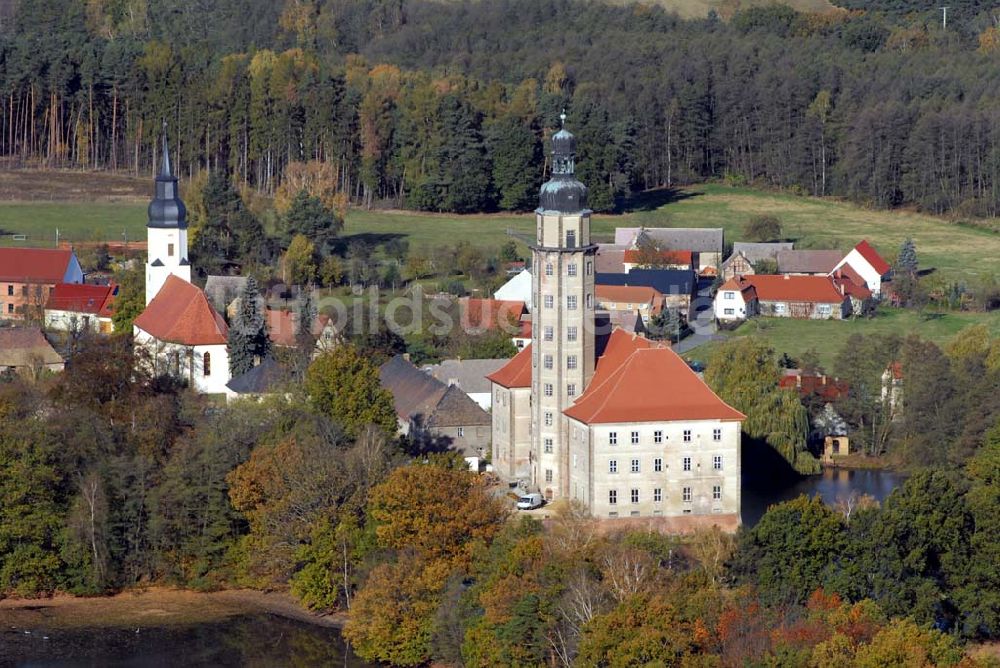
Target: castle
(609, 419)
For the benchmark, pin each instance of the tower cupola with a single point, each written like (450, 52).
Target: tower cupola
(562, 193)
(166, 210)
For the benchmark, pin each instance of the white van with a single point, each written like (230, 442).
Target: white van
(530, 502)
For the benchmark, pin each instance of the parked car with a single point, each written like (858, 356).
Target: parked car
(530, 502)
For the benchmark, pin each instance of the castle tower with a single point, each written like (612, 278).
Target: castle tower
(562, 333)
(166, 231)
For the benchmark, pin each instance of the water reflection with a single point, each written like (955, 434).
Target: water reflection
(831, 485)
(257, 640)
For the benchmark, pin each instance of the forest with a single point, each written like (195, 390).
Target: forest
(113, 478)
(445, 106)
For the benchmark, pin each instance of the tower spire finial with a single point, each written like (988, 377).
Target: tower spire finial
(562, 118)
(165, 165)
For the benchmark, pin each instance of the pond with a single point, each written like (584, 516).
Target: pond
(252, 640)
(831, 485)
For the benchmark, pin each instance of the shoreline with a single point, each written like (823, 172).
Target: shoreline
(155, 607)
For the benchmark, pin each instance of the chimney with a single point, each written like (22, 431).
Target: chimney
(842, 293)
(406, 356)
(788, 277)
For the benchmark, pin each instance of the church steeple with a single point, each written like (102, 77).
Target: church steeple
(166, 231)
(166, 210)
(562, 192)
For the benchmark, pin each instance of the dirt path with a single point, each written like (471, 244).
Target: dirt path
(156, 606)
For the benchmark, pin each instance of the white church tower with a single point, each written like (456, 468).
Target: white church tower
(562, 333)
(166, 231)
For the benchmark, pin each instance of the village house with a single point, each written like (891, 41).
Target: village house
(661, 259)
(268, 377)
(805, 297)
(830, 429)
(283, 329)
(469, 376)
(746, 255)
(27, 276)
(676, 286)
(626, 299)
(26, 351)
(818, 385)
(223, 291)
(868, 265)
(517, 289)
(436, 415)
(610, 259)
(77, 307)
(705, 244)
(616, 422)
(808, 262)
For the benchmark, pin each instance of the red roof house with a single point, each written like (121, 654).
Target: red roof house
(488, 314)
(665, 258)
(95, 300)
(27, 276)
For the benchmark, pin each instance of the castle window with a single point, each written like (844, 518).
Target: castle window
(547, 334)
(612, 496)
(571, 362)
(206, 363)
(548, 300)
(548, 475)
(547, 361)
(548, 446)
(686, 495)
(548, 418)
(571, 269)
(635, 496)
(548, 269)
(717, 492)
(571, 389)
(571, 333)
(687, 463)
(571, 302)
(548, 389)
(657, 495)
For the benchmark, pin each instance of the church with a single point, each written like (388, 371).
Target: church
(181, 332)
(598, 415)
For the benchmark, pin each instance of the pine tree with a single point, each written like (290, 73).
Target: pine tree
(907, 262)
(516, 152)
(248, 339)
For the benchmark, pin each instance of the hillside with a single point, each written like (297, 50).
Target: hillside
(695, 9)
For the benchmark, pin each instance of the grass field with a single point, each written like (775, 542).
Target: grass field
(827, 337)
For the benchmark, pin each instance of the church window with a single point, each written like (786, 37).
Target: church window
(590, 301)
(170, 250)
(206, 363)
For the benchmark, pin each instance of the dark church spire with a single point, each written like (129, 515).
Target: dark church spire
(166, 210)
(562, 192)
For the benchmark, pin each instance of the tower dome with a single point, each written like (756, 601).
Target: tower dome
(563, 193)
(166, 210)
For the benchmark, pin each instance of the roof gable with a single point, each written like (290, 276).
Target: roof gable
(652, 384)
(516, 373)
(487, 314)
(180, 313)
(872, 257)
(80, 298)
(755, 252)
(414, 393)
(456, 409)
(471, 376)
(25, 346)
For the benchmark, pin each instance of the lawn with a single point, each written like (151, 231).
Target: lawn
(827, 337)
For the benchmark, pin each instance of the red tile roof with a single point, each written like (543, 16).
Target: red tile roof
(741, 285)
(873, 258)
(78, 298)
(180, 313)
(788, 288)
(485, 314)
(516, 373)
(34, 265)
(282, 326)
(829, 389)
(682, 257)
(653, 384)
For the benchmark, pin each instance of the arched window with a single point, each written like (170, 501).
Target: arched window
(206, 364)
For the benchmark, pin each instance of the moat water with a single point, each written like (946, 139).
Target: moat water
(759, 492)
(268, 640)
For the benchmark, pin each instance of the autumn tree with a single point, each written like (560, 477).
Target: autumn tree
(344, 385)
(300, 261)
(762, 228)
